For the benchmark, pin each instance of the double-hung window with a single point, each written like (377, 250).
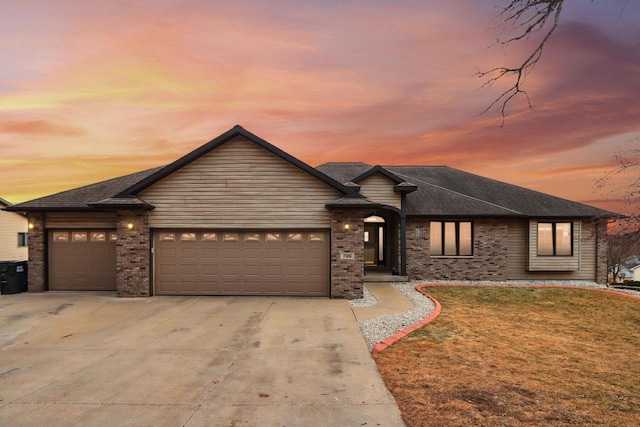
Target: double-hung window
(451, 238)
(555, 239)
(23, 240)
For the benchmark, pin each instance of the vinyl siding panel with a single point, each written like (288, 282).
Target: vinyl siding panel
(239, 185)
(379, 189)
(521, 242)
(12, 223)
(80, 220)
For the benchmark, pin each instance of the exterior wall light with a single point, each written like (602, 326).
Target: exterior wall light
(346, 227)
(130, 226)
(32, 226)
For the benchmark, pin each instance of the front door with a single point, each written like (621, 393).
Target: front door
(374, 244)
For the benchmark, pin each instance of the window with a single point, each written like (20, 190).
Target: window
(251, 237)
(23, 240)
(98, 236)
(209, 237)
(294, 237)
(113, 237)
(167, 237)
(316, 237)
(60, 236)
(451, 238)
(230, 237)
(187, 237)
(79, 236)
(273, 237)
(555, 239)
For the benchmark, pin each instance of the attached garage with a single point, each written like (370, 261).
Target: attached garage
(241, 262)
(82, 260)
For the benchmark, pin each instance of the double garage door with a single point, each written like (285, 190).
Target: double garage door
(210, 262)
(188, 262)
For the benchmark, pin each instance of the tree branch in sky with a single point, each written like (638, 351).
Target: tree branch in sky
(526, 17)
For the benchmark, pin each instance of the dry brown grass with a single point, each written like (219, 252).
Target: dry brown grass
(520, 357)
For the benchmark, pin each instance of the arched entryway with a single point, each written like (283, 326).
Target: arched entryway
(381, 242)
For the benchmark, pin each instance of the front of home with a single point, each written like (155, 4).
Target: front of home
(238, 216)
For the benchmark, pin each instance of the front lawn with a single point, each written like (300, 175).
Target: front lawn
(498, 356)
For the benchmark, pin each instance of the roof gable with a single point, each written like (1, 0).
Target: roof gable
(219, 141)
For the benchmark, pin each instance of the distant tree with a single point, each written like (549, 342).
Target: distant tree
(621, 246)
(627, 164)
(624, 239)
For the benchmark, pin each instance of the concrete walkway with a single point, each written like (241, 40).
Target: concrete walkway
(390, 301)
(92, 359)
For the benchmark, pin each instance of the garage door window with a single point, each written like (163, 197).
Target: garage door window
(316, 237)
(60, 236)
(252, 237)
(98, 236)
(167, 237)
(187, 237)
(113, 237)
(230, 237)
(294, 237)
(79, 236)
(273, 237)
(209, 237)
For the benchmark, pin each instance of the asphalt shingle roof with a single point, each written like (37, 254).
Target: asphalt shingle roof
(441, 191)
(81, 198)
(444, 191)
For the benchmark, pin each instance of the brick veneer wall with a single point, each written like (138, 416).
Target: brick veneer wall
(36, 272)
(347, 274)
(133, 254)
(489, 261)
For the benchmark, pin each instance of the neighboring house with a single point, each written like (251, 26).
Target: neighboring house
(239, 216)
(632, 265)
(13, 234)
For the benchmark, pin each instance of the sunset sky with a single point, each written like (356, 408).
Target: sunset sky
(91, 90)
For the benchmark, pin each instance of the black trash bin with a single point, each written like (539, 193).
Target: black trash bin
(13, 277)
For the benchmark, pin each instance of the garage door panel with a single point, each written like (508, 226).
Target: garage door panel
(243, 262)
(81, 265)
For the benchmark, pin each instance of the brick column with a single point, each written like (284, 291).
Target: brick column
(133, 254)
(601, 252)
(347, 254)
(36, 272)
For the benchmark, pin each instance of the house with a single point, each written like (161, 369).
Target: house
(239, 216)
(13, 234)
(632, 265)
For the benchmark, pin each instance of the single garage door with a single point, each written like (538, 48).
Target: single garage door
(82, 260)
(277, 262)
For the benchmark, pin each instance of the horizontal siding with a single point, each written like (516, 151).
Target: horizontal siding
(379, 189)
(239, 185)
(80, 220)
(12, 223)
(518, 255)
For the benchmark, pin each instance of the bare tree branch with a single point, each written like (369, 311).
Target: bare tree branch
(628, 164)
(526, 17)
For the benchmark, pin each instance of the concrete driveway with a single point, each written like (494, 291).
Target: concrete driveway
(92, 359)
